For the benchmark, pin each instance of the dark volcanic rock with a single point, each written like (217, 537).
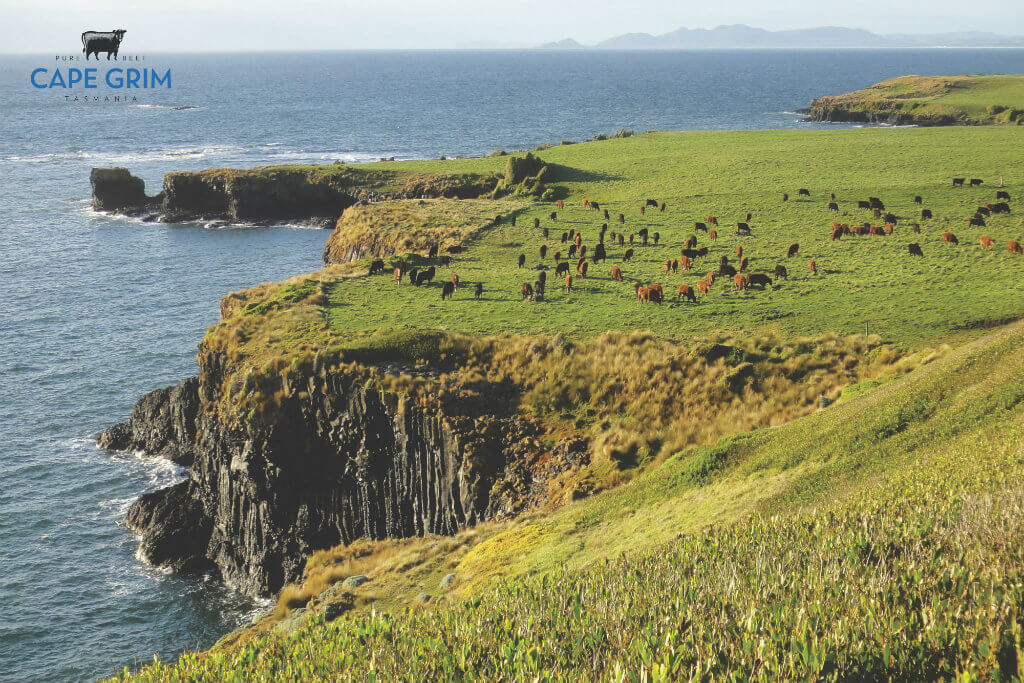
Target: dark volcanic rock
(115, 189)
(338, 460)
(163, 423)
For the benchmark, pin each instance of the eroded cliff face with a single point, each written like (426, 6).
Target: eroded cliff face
(834, 110)
(336, 459)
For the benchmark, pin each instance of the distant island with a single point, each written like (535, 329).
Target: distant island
(742, 36)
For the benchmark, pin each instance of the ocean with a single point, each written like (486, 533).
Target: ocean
(97, 310)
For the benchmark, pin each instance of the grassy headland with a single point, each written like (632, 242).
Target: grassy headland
(929, 101)
(876, 538)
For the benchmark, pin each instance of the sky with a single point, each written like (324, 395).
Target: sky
(54, 26)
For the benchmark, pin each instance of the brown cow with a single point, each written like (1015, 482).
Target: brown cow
(667, 265)
(643, 210)
(875, 230)
(616, 274)
(455, 282)
(631, 238)
(559, 203)
(949, 238)
(711, 220)
(743, 264)
(662, 207)
(749, 216)
(642, 294)
(568, 283)
(607, 215)
(739, 250)
(986, 242)
(686, 291)
(582, 269)
(888, 228)
(398, 274)
(627, 255)
(813, 267)
(792, 251)
(622, 218)
(527, 290)
(586, 203)
(739, 282)
(837, 232)
(916, 227)
(686, 262)
(710, 278)
(690, 242)
(703, 287)
(713, 235)
(656, 294)
(1013, 247)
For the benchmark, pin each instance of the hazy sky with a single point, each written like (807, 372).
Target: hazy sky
(51, 26)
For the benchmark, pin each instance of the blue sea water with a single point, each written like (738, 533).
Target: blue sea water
(95, 310)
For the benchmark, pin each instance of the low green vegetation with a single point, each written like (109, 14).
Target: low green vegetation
(932, 100)
(877, 539)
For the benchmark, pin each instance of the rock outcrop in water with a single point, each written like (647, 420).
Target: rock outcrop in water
(307, 193)
(340, 459)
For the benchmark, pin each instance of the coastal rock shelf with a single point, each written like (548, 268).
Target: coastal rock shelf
(339, 460)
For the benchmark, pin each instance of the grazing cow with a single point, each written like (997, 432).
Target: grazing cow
(565, 237)
(606, 215)
(567, 284)
(398, 275)
(543, 251)
(793, 249)
(837, 232)
(832, 196)
(667, 266)
(700, 226)
(785, 197)
(743, 264)
(586, 203)
(983, 210)
(572, 250)
(628, 255)
(1013, 247)
(426, 275)
(742, 229)
(888, 228)
(958, 182)
(914, 249)
(803, 192)
(527, 291)
(522, 260)
(711, 220)
(890, 218)
(725, 270)
(875, 230)
(599, 253)
(95, 42)
(412, 276)
(986, 242)
(758, 280)
(739, 282)
(949, 238)
(657, 238)
(445, 261)
(447, 289)
(542, 277)
(686, 291)
(643, 210)
(713, 235)
(876, 203)
(642, 293)
(643, 233)
(976, 181)
(780, 271)
(656, 294)
(546, 233)
(560, 204)
(538, 290)
(582, 269)
(432, 251)
(631, 238)
(622, 239)
(857, 229)
(596, 207)
(926, 213)
(572, 233)
(562, 268)
(686, 262)
(703, 287)
(748, 216)
(1001, 207)
(739, 250)
(813, 267)
(536, 223)
(976, 221)
(694, 253)
(1002, 194)
(661, 209)
(557, 257)
(652, 202)
(376, 266)
(916, 227)
(675, 265)
(833, 206)
(622, 218)
(616, 274)
(723, 260)
(863, 205)
(690, 242)
(917, 199)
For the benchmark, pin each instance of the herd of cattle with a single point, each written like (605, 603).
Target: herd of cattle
(573, 249)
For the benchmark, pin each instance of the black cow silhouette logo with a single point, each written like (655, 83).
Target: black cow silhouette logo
(95, 42)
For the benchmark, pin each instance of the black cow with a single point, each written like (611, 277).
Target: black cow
(915, 249)
(758, 280)
(917, 199)
(1001, 207)
(890, 218)
(804, 192)
(628, 255)
(562, 268)
(976, 181)
(522, 260)
(543, 251)
(599, 253)
(377, 266)
(425, 276)
(833, 206)
(652, 202)
(95, 42)
(958, 182)
(478, 290)
(780, 271)
(726, 271)
(700, 226)
(447, 289)
(863, 205)
(926, 213)
(742, 229)
(1002, 194)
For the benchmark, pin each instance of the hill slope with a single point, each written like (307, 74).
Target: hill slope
(879, 538)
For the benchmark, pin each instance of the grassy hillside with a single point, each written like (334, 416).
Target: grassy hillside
(930, 100)
(879, 538)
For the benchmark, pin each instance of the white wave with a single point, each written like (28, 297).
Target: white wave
(169, 107)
